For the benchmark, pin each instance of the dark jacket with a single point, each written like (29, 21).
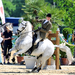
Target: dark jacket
(45, 28)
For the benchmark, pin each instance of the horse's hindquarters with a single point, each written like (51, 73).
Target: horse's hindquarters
(45, 48)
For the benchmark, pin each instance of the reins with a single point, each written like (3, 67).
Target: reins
(27, 32)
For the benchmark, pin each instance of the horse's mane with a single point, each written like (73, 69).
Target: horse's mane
(29, 26)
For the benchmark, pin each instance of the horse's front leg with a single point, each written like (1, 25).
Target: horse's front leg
(19, 52)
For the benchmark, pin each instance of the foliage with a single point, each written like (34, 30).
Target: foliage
(62, 13)
(50, 1)
(63, 54)
(8, 7)
(41, 10)
(18, 12)
(69, 16)
(21, 54)
(31, 9)
(67, 31)
(56, 15)
(13, 7)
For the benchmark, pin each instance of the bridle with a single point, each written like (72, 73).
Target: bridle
(23, 28)
(19, 31)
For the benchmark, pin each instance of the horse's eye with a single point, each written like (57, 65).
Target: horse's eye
(23, 27)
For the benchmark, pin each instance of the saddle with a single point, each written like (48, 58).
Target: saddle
(34, 39)
(33, 46)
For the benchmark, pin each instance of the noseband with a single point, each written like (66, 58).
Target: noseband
(24, 27)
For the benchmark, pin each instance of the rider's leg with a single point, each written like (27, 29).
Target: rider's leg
(31, 49)
(9, 47)
(38, 39)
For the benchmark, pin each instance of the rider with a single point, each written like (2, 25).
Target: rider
(46, 26)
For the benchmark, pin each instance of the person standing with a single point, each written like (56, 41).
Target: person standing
(7, 37)
(1, 39)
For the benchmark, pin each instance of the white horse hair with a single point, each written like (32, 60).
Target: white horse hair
(24, 42)
(67, 50)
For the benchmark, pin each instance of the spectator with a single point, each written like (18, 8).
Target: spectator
(0, 48)
(7, 37)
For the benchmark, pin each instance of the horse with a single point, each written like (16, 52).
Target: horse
(24, 43)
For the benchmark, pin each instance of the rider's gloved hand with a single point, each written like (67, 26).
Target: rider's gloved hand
(36, 17)
(39, 28)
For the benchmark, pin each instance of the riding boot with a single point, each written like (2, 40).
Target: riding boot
(31, 49)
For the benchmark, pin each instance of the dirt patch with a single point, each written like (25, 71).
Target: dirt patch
(21, 70)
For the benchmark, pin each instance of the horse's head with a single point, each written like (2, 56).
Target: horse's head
(22, 27)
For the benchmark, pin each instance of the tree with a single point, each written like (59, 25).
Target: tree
(39, 8)
(68, 6)
(18, 12)
(31, 10)
(50, 1)
(8, 7)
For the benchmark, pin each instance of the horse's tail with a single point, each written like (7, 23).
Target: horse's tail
(56, 46)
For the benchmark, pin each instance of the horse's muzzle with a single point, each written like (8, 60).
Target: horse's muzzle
(17, 32)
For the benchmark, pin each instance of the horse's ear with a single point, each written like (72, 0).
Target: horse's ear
(21, 20)
(26, 23)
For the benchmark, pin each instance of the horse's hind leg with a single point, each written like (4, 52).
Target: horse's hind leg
(37, 65)
(43, 61)
(41, 66)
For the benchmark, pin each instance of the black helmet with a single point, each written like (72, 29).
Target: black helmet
(48, 15)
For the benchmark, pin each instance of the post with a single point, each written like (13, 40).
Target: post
(49, 60)
(57, 50)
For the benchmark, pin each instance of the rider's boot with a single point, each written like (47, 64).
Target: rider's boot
(29, 51)
(33, 47)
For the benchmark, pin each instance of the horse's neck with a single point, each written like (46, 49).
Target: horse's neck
(29, 29)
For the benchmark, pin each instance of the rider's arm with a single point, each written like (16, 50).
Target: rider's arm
(3, 36)
(39, 20)
(48, 27)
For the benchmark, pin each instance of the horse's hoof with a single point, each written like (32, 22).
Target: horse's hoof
(35, 71)
(29, 71)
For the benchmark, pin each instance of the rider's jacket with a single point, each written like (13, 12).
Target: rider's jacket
(46, 26)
